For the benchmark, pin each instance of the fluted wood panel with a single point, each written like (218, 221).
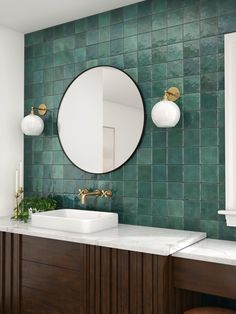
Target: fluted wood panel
(124, 282)
(10, 248)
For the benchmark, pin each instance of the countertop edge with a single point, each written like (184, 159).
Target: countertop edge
(203, 258)
(210, 250)
(76, 238)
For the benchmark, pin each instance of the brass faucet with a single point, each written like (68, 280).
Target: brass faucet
(85, 192)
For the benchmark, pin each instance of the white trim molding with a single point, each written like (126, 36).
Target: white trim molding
(230, 129)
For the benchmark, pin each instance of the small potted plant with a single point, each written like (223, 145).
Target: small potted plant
(31, 205)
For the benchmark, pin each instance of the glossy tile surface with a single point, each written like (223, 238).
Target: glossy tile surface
(160, 43)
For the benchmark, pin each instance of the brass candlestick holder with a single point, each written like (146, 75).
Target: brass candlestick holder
(19, 198)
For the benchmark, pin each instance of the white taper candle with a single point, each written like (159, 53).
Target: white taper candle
(17, 181)
(21, 174)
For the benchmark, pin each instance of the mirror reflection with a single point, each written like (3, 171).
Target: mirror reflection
(100, 119)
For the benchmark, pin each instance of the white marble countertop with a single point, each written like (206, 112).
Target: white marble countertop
(127, 237)
(210, 250)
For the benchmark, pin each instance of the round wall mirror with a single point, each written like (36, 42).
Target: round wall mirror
(100, 119)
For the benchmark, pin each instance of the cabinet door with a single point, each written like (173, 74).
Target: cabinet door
(53, 277)
(49, 289)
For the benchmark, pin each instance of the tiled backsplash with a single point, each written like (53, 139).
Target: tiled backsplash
(176, 177)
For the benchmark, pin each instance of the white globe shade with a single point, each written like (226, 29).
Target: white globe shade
(165, 114)
(32, 125)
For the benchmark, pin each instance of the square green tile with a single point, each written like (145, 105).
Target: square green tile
(175, 138)
(130, 28)
(191, 84)
(209, 119)
(159, 173)
(191, 31)
(117, 46)
(191, 191)
(104, 19)
(191, 66)
(175, 52)
(104, 34)
(175, 173)
(175, 69)
(209, 137)
(191, 49)
(159, 71)
(175, 155)
(159, 139)
(158, 21)
(159, 38)
(158, 156)
(144, 173)
(209, 155)
(159, 54)
(191, 12)
(175, 208)
(191, 119)
(174, 34)
(191, 102)
(130, 11)
(175, 190)
(117, 31)
(130, 188)
(144, 156)
(175, 17)
(191, 173)
(208, 46)
(209, 173)
(130, 44)
(208, 9)
(159, 190)
(144, 57)
(144, 189)
(144, 41)
(144, 24)
(191, 155)
(209, 64)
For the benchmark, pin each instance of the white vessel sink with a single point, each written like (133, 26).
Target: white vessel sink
(74, 220)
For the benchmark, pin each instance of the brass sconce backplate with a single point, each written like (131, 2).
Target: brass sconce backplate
(42, 109)
(173, 94)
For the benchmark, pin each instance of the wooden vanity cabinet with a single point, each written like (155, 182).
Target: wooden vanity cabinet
(44, 276)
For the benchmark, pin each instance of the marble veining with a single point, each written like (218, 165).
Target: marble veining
(210, 250)
(127, 237)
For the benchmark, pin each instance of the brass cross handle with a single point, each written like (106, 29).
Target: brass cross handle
(107, 193)
(83, 191)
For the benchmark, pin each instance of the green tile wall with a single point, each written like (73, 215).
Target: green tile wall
(176, 177)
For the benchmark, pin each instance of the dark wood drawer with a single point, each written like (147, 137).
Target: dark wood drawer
(39, 302)
(205, 277)
(53, 252)
(50, 289)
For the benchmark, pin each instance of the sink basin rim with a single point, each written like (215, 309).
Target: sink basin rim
(57, 219)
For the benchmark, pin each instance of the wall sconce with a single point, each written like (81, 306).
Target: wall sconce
(165, 113)
(33, 125)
